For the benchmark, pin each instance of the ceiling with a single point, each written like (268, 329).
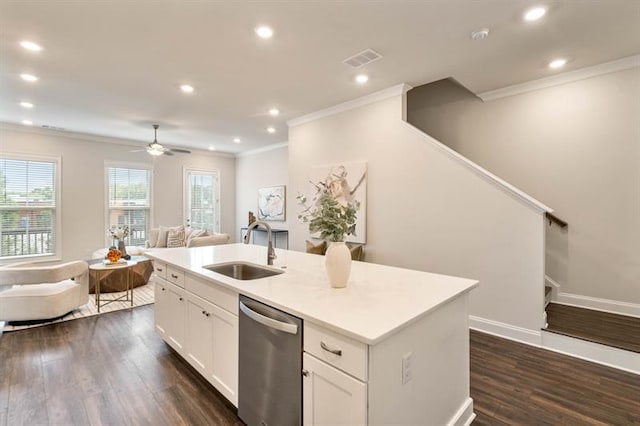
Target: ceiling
(114, 68)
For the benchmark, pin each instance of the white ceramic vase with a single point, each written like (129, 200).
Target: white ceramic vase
(338, 264)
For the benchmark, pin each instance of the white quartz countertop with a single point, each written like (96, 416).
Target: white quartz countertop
(378, 300)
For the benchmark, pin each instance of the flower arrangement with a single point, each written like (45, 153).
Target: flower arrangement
(332, 211)
(118, 232)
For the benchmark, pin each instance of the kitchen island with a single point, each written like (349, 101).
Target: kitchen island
(402, 334)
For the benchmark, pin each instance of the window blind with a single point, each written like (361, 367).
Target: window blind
(202, 207)
(129, 201)
(27, 207)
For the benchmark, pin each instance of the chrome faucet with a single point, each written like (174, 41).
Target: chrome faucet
(271, 253)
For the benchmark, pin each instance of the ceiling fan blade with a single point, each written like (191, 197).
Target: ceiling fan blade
(138, 150)
(167, 152)
(181, 151)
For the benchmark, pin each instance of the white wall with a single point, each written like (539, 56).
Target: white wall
(259, 170)
(428, 212)
(83, 197)
(575, 147)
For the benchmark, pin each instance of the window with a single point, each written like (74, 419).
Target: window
(129, 200)
(201, 202)
(29, 200)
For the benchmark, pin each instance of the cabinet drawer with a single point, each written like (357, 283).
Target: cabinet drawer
(175, 276)
(160, 269)
(214, 293)
(342, 352)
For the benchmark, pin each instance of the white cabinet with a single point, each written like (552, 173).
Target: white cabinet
(224, 365)
(161, 311)
(212, 344)
(192, 320)
(331, 397)
(199, 331)
(169, 313)
(176, 305)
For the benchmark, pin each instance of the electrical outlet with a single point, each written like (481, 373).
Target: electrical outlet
(407, 368)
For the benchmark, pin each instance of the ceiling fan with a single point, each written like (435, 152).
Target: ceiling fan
(156, 149)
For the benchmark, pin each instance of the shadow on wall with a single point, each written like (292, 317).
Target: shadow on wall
(433, 96)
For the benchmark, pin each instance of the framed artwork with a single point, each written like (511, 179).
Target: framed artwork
(272, 203)
(352, 179)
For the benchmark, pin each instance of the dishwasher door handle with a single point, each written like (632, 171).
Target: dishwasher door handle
(269, 322)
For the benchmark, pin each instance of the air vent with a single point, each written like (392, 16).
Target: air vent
(46, 126)
(363, 58)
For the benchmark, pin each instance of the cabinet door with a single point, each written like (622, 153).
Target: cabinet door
(199, 333)
(331, 397)
(161, 307)
(175, 317)
(224, 367)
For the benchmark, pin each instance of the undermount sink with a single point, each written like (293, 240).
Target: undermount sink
(242, 270)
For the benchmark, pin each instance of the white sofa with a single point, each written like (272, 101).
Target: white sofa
(158, 237)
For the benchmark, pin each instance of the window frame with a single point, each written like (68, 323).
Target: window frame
(57, 209)
(186, 171)
(126, 165)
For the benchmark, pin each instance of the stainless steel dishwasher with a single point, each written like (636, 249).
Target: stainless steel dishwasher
(270, 372)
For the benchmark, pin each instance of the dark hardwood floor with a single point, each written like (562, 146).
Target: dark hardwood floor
(113, 369)
(618, 331)
(110, 369)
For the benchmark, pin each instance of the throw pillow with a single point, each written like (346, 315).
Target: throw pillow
(163, 234)
(175, 238)
(320, 248)
(153, 237)
(195, 233)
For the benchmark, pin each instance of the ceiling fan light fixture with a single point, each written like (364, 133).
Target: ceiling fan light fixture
(155, 151)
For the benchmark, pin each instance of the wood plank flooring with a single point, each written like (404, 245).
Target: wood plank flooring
(110, 369)
(114, 370)
(618, 331)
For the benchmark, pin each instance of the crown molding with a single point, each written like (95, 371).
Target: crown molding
(397, 90)
(567, 77)
(263, 149)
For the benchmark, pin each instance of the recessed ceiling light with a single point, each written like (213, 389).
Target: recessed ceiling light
(29, 45)
(534, 13)
(237, 140)
(274, 111)
(264, 32)
(27, 122)
(186, 88)
(362, 78)
(212, 148)
(557, 63)
(26, 104)
(271, 129)
(28, 77)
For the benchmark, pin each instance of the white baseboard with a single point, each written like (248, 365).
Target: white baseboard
(464, 416)
(605, 305)
(500, 329)
(594, 352)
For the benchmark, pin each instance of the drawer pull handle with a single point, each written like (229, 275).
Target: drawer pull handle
(181, 299)
(328, 349)
(162, 288)
(305, 373)
(159, 269)
(174, 276)
(208, 314)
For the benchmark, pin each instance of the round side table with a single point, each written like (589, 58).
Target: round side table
(101, 268)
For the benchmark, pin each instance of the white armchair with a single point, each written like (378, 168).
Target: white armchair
(29, 292)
